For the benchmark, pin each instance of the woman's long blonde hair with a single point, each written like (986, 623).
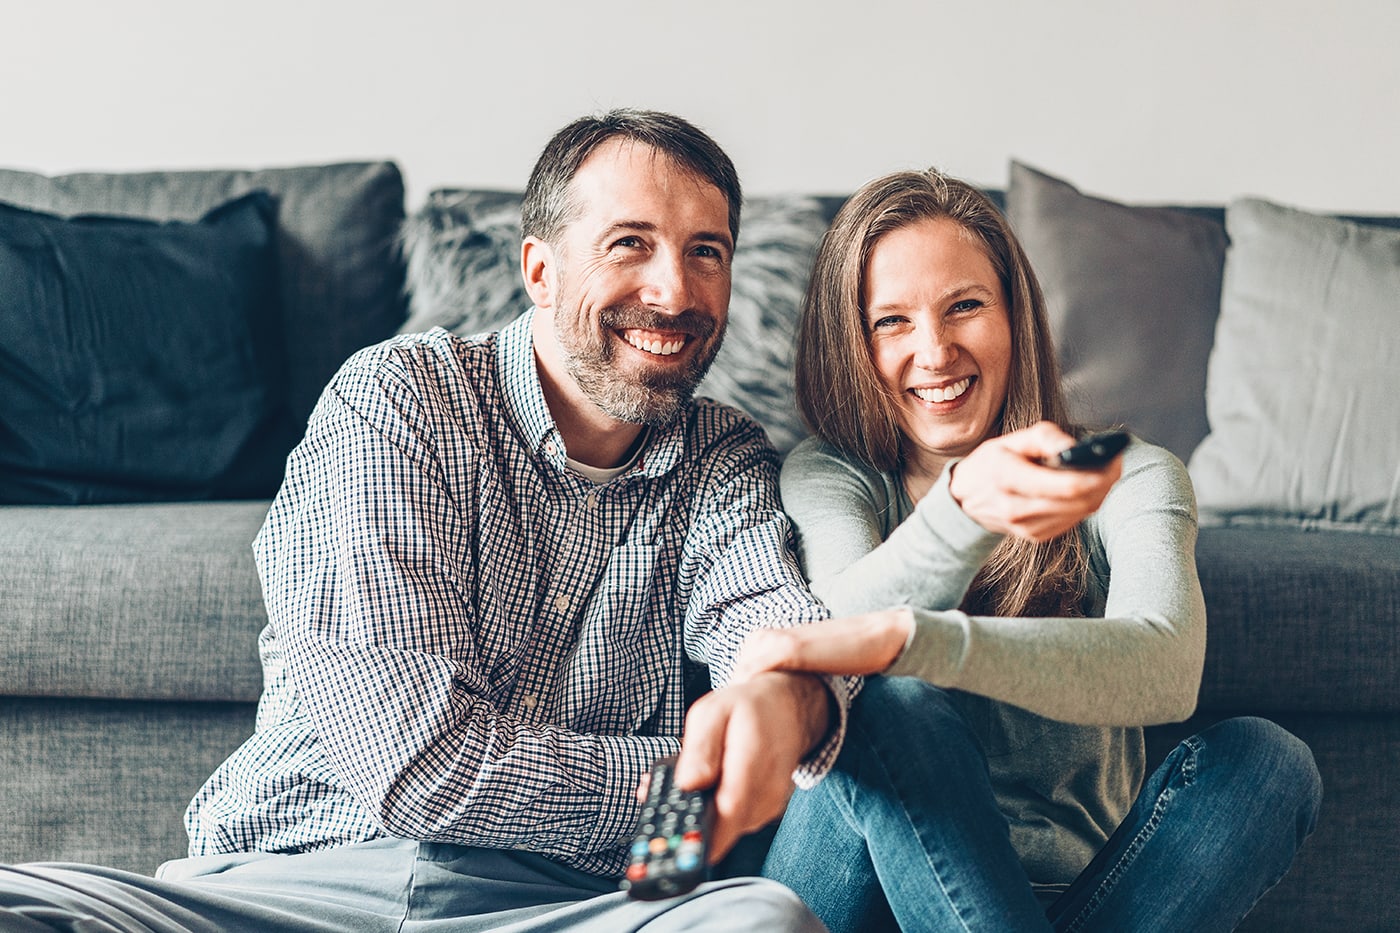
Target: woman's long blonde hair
(843, 401)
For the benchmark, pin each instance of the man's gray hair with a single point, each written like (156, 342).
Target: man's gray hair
(547, 208)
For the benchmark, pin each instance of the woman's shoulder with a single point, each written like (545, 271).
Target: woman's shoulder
(1154, 476)
(817, 464)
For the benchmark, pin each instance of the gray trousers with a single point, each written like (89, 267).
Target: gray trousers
(384, 885)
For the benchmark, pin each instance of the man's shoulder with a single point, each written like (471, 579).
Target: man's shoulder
(426, 352)
(715, 425)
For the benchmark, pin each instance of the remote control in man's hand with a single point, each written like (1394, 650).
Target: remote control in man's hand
(1090, 453)
(669, 855)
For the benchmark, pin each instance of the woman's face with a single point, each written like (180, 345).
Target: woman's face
(940, 337)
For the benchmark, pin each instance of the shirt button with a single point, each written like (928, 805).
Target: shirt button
(591, 500)
(530, 700)
(561, 603)
(550, 449)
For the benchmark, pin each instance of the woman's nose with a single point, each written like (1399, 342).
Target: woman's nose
(935, 351)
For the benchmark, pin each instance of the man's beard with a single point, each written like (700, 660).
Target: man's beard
(650, 397)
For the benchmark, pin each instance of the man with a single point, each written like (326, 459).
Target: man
(492, 564)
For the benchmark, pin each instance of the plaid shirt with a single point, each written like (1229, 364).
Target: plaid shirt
(468, 642)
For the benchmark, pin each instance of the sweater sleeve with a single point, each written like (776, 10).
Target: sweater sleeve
(1137, 664)
(857, 554)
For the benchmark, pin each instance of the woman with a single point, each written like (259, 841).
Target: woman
(1046, 615)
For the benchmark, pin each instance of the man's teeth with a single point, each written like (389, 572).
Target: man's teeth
(659, 347)
(945, 394)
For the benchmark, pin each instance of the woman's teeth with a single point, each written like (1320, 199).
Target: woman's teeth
(658, 347)
(945, 394)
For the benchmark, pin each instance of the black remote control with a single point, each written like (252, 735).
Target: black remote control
(1090, 453)
(669, 855)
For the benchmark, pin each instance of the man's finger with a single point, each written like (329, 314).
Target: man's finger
(702, 749)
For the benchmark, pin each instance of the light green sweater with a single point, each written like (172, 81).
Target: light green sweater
(1057, 702)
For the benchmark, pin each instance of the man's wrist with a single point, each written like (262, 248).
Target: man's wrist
(818, 707)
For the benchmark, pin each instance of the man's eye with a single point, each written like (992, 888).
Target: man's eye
(628, 242)
(709, 252)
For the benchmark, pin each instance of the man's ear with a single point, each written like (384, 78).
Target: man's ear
(537, 265)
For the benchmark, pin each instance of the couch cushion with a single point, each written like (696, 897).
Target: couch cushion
(1304, 375)
(140, 360)
(157, 601)
(341, 276)
(1132, 294)
(463, 250)
(1300, 620)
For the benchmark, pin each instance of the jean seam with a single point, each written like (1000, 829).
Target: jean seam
(1140, 840)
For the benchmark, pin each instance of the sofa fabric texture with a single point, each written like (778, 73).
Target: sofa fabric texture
(130, 669)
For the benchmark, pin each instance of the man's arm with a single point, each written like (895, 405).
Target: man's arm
(746, 740)
(750, 740)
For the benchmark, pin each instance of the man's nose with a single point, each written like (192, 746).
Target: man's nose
(666, 286)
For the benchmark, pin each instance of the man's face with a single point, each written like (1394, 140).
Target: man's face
(640, 294)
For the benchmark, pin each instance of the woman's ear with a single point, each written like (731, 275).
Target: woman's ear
(537, 265)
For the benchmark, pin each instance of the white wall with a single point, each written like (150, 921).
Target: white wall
(1192, 100)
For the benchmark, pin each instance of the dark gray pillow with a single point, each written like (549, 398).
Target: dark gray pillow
(463, 252)
(141, 361)
(1132, 294)
(341, 279)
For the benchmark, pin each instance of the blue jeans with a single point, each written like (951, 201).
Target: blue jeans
(905, 832)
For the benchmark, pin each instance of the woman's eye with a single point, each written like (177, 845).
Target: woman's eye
(886, 322)
(967, 304)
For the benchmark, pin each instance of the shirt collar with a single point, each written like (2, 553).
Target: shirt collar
(524, 401)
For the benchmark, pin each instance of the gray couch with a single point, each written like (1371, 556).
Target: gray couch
(130, 669)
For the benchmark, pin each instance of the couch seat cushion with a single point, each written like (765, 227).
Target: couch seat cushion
(1300, 620)
(157, 601)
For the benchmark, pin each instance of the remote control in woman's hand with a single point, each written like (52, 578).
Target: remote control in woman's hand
(1090, 453)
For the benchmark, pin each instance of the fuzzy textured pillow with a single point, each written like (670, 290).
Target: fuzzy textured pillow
(463, 253)
(1132, 294)
(1305, 373)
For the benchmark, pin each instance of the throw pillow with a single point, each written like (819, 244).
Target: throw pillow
(463, 255)
(140, 360)
(1132, 294)
(1304, 375)
(340, 278)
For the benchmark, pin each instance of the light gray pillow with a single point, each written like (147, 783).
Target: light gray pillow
(1132, 294)
(463, 253)
(1303, 389)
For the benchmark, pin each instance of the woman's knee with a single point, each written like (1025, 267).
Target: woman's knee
(908, 706)
(908, 731)
(1272, 760)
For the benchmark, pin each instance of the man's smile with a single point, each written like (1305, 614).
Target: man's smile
(654, 342)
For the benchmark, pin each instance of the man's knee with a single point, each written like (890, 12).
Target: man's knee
(756, 904)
